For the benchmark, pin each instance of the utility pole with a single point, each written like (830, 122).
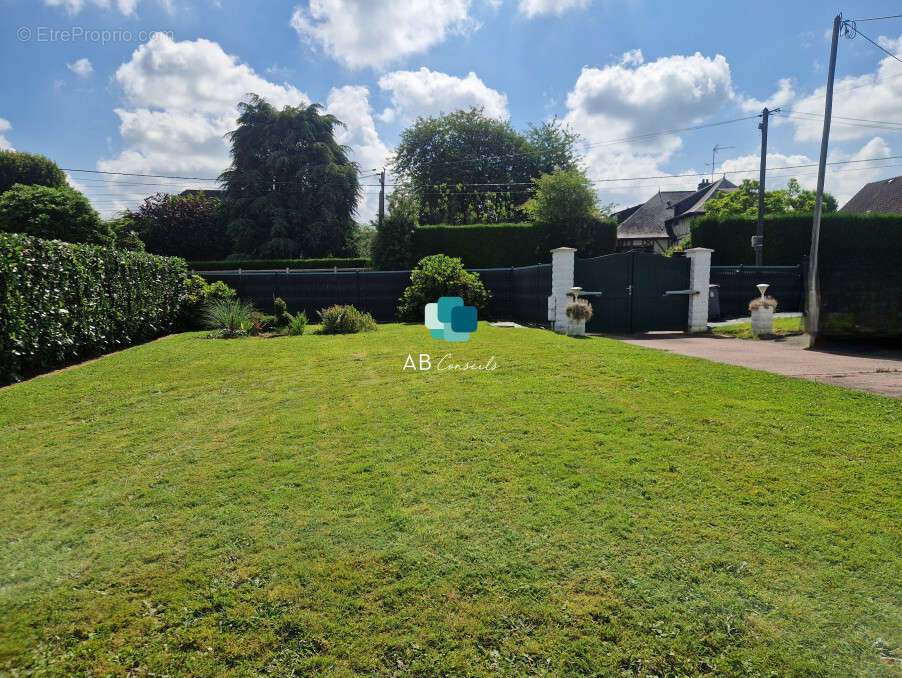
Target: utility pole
(758, 240)
(381, 196)
(813, 305)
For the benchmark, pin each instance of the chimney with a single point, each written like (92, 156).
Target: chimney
(705, 183)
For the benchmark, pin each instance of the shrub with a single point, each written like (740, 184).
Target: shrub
(392, 249)
(198, 295)
(28, 170)
(61, 302)
(561, 197)
(297, 324)
(579, 310)
(54, 214)
(440, 276)
(280, 311)
(345, 320)
(229, 318)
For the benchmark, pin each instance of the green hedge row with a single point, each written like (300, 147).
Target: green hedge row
(61, 302)
(501, 245)
(228, 265)
(788, 238)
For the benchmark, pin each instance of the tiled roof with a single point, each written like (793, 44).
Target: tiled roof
(878, 197)
(648, 220)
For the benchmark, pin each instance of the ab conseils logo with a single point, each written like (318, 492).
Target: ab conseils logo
(450, 319)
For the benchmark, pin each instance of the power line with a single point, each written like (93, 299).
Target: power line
(878, 18)
(878, 46)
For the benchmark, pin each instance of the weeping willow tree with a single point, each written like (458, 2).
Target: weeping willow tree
(291, 190)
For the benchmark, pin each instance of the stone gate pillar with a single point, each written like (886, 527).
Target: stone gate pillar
(562, 262)
(699, 279)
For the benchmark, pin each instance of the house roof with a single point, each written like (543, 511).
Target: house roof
(880, 197)
(651, 219)
(648, 220)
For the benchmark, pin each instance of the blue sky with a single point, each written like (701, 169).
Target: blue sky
(107, 96)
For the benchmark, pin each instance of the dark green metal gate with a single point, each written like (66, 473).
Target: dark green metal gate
(633, 287)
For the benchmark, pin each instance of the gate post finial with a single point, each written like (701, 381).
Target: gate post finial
(699, 280)
(562, 263)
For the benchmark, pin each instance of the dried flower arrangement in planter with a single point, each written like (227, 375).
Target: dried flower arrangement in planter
(762, 309)
(579, 312)
(763, 302)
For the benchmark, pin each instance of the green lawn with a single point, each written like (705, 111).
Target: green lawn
(782, 327)
(301, 506)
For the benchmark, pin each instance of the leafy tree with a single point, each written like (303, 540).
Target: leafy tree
(29, 170)
(189, 226)
(561, 197)
(393, 244)
(445, 159)
(440, 276)
(126, 237)
(744, 201)
(291, 190)
(52, 213)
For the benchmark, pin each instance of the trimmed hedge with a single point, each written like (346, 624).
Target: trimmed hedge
(502, 245)
(859, 263)
(61, 302)
(250, 264)
(787, 238)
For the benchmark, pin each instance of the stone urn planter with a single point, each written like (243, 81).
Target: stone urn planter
(762, 310)
(579, 312)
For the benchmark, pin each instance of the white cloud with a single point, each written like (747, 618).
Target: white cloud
(632, 98)
(127, 7)
(533, 8)
(350, 104)
(4, 142)
(361, 33)
(426, 92)
(783, 96)
(872, 96)
(82, 68)
(180, 100)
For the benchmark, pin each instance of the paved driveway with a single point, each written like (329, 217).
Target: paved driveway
(876, 371)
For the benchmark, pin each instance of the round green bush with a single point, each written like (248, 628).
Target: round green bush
(440, 276)
(53, 214)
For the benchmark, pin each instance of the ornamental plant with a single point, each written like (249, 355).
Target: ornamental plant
(440, 276)
(579, 310)
(345, 320)
(766, 302)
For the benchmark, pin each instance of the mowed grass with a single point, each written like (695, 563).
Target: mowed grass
(301, 506)
(782, 327)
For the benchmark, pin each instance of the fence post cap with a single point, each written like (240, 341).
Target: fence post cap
(699, 249)
(565, 249)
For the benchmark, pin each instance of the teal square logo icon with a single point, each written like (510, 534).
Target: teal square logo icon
(450, 319)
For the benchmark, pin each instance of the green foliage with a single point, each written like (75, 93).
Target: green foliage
(297, 324)
(53, 214)
(291, 190)
(190, 226)
(61, 302)
(125, 236)
(199, 294)
(340, 319)
(499, 245)
(562, 196)
(229, 318)
(267, 264)
(440, 276)
(444, 157)
(787, 238)
(364, 238)
(280, 312)
(28, 170)
(744, 201)
(392, 248)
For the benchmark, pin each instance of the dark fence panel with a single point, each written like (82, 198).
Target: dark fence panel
(517, 293)
(737, 287)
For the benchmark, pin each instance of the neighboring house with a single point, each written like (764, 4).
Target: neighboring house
(877, 197)
(663, 220)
